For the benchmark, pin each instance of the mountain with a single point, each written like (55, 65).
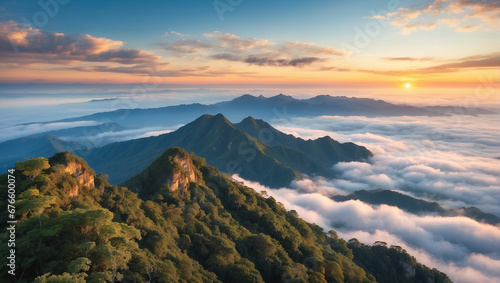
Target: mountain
(192, 224)
(273, 162)
(416, 206)
(324, 149)
(120, 124)
(77, 139)
(38, 145)
(279, 106)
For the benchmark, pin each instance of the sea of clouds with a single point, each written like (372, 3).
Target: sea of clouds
(453, 160)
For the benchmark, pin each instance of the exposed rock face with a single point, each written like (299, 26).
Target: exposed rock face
(76, 167)
(181, 178)
(409, 269)
(85, 178)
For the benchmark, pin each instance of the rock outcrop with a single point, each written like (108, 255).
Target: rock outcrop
(76, 167)
(184, 175)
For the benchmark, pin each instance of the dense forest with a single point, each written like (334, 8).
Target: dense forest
(180, 221)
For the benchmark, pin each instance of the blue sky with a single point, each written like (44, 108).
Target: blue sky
(435, 43)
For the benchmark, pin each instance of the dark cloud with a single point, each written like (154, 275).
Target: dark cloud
(268, 61)
(297, 62)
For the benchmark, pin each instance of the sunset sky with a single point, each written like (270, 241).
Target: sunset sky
(441, 43)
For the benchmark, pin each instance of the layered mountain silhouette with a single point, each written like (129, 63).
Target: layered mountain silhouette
(48, 143)
(119, 124)
(253, 149)
(417, 206)
(267, 108)
(189, 223)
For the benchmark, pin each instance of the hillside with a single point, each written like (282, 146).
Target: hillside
(46, 144)
(190, 224)
(274, 160)
(38, 145)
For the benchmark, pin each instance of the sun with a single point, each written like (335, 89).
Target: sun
(408, 85)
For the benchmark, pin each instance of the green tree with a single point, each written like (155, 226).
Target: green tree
(32, 167)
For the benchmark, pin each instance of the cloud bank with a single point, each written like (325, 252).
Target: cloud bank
(18, 131)
(452, 160)
(466, 250)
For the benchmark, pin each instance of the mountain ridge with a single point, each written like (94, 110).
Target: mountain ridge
(211, 230)
(231, 150)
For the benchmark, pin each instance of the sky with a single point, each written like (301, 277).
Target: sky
(395, 44)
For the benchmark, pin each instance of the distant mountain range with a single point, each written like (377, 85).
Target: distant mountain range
(49, 143)
(279, 106)
(269, 108)
(121, 124)
(253, 149)
(416, 206)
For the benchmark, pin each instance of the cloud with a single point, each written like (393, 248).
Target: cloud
(232, 41)
(480, 61)
(491, 60)
(102, 138)
(463, 248)
(410, 59)
(21, 43)
(461, 15)
(254, 51)
(298, 47)
(186, 46)
(18, 131)
(175, 33)
(445, 159)
(268, 61)
(297, 62)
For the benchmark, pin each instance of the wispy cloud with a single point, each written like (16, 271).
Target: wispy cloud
(476, 62)
(409, 59)
(222, 46)
(186, 46)
(461, 15)
(36, 128)
(269, 61)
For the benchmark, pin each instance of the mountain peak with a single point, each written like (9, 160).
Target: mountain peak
(208, 121)
(282, 97)
(251, 122)
(77, 167)
(173, 170)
